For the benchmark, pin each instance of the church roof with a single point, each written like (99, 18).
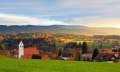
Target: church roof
(29, 51)
(21, 43)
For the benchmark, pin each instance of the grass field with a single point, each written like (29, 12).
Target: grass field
(90, 43)
(15, 65)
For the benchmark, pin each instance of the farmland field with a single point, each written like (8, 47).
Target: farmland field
(15, 65)
(91, 44)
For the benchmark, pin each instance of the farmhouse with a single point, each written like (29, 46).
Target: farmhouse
(107, 57)
(71, 54)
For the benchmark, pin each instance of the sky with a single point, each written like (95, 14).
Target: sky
(92, 13)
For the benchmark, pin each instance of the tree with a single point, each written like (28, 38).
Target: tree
(119, 50)
(84, 47)
(74, 44)
(59, 53)
(79, 45)
(95, 53)
(84, 59)
(0, 47)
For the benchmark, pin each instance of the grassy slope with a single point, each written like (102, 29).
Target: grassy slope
(14, 65)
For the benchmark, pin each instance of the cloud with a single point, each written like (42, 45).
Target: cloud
(91, 6)
(70, 12)
(95, 21)
(86, 3)
(93, 13)
(7, 19)
(21, 3)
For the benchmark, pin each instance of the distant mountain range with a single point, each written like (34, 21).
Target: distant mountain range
(60, 29)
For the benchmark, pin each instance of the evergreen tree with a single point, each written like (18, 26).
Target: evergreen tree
(84, 59)
(79, 45)
(75, 44)
(84, 47)
(0, 47)
(119, 50)
(95, 53)
(59, 53)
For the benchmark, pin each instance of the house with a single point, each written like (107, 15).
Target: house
(86, 57)
(105, 51)
(71, 54)
(105, 57)
(68, 53)
(71, 58)
(45, 57)
(118, 60)
(65, 58)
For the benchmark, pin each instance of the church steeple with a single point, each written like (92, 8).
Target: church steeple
(21, 49)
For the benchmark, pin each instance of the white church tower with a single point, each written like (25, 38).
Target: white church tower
(21, 50)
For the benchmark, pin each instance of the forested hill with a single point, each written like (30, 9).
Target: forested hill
(60, 29)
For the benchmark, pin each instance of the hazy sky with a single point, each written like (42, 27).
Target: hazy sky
(94, 13)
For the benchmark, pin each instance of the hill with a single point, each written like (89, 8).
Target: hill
(15, 65)
(60, 29)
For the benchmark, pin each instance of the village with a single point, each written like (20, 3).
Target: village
(59, 35)
(69, 47)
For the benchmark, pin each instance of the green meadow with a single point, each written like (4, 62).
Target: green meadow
(17, 65)
(91, 44)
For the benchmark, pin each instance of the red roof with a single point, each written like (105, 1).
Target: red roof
(29, 51)
(88, 55)
(32, 50)
(45, 57)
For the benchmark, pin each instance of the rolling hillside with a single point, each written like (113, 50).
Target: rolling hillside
(60, 29)
(15, 65)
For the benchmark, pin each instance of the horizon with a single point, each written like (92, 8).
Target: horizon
(103, 13)
(60, 25)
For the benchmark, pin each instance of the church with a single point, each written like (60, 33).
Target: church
(26, 53)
